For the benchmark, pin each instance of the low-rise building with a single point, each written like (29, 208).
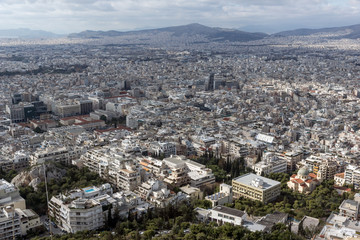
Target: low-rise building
(303, 181)
(350, 209)
(157, 193)
(225, 195)
(339, 179)
(221, 215)
(256, 187)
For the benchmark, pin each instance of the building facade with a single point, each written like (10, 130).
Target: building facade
(255, 187)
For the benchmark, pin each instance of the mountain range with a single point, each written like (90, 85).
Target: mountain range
(26, 33)
(211, 33)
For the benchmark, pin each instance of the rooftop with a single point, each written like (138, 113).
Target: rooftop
(230, 211)
(256, 181)
(350, 204)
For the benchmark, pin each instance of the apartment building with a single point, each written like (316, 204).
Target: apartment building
(10, 195)
(16, 113)
(165, 149)
(80, 209)
(350, 209)
(156, 192)
(327, 170)
(9, 223)
(270, 164)
(352, 175)
(28, 220)
(199, 175)
(256, 187)
(291, 158)
(77, 215)
(177, 173)
(55, 154)
(112, 165)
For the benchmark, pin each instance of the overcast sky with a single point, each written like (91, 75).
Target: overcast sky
(67, 16)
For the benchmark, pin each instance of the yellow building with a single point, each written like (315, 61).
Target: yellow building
(256, 187)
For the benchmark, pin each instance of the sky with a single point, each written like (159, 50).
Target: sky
(68, 16)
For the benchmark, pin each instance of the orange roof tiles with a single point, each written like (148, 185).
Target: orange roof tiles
(298, 180)
(340, 175)
(312, 175)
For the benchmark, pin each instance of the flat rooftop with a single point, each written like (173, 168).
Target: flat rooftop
(230, 211)
(250, 179)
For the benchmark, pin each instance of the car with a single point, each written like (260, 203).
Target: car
(54, 224)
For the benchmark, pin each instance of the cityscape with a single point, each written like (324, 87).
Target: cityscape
(180, 132)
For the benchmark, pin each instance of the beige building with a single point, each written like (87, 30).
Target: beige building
(9, 195)
(303, 182)
(256, 187)
(327, 170)
(28, 220)
(339, 179)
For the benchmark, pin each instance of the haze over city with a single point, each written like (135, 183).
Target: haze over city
(67, 16)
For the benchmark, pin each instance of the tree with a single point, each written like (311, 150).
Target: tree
(103, 117)
(38, 130)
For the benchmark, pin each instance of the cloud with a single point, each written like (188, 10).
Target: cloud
(66, 16)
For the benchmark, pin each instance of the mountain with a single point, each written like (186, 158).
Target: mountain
(212, 34)
(26, 33)
(352, 31)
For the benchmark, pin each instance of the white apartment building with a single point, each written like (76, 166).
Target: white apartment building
(199, 175)
(112, 165)
(165, 149)
(270, 164)
(55, 154)
(78, 215)
(352, 175)
(88, 208)
(79, 210)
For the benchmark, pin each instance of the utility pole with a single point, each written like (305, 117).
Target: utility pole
(47, 200)
(13, 224)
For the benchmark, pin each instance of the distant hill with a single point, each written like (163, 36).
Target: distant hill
(354, 31)
(213, 34)
(26, 33)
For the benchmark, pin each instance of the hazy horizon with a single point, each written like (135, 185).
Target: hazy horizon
(66, 16)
